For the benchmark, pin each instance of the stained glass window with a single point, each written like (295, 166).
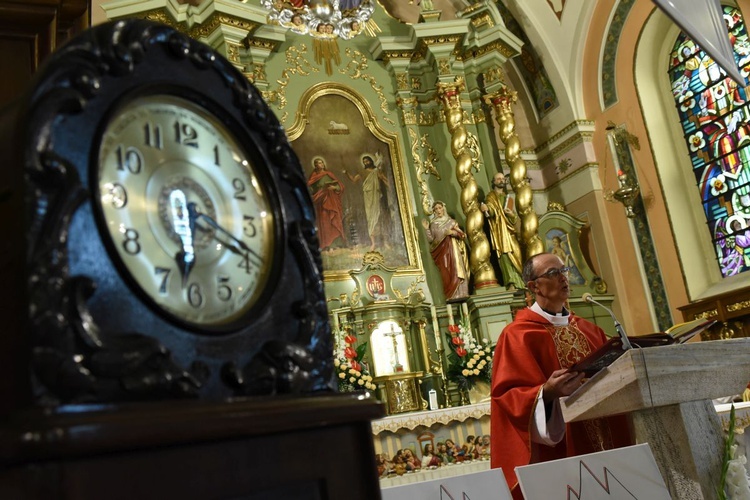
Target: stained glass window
(715, 119)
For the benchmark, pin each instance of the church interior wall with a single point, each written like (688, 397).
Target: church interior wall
(571, 46)
(624, 252)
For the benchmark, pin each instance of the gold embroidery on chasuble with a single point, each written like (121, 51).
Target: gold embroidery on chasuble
(571, 345)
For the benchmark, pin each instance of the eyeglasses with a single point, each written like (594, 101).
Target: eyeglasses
(554, 273)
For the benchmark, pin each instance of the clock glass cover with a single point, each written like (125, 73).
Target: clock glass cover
(188, 218)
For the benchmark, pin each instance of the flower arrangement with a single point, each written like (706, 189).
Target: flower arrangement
(468, 360)
(734, 482)
(351, 374)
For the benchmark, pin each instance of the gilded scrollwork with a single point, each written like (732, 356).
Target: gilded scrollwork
(233, 52)
(259, 72)
(409, 116)
(444, 66)
(356, 68)
(297, 65)
(428, 118)
(738, 306)
(402, 81)
(472, 143)
(424, 167)
(482, 20)
(494, 74)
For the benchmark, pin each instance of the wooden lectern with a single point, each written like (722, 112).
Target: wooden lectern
(668, 391)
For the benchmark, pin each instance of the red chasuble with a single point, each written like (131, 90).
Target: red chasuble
(528, 351)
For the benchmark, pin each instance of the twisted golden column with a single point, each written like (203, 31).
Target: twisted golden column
(479, 257)
(502, 102)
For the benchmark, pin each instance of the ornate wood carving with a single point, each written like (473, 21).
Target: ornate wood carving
(91, 338)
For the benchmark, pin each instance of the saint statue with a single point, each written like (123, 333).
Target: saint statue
(502, 220)
(448, 250)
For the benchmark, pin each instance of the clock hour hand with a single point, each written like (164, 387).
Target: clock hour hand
(239, 247)
(183, 220)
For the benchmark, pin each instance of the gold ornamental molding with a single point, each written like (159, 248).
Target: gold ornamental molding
(469, 10)
(259, 72)
(389, 55)
(233, 52)
(711, 313)
(738, 306)
(202, 30)
(407, 101)
(564, 131)
(250, 42)
(495, 46)
(402, 81)
(482, 20)
(442, 40)
(493, 75)
(425, 43)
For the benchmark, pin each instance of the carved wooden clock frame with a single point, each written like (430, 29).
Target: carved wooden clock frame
(90, 336)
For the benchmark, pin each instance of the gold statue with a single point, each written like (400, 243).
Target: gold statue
(497, 208)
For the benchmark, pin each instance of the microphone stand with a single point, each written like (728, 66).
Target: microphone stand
(620, 330)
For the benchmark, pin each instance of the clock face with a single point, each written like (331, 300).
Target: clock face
(185, 211)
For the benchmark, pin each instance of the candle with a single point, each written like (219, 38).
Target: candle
(335, 322)
(467, 322)
(436, 328)
(433, 399)
(450, 314)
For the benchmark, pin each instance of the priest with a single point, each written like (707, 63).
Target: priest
(530, 375)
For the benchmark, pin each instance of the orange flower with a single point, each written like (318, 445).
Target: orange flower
(454, 328)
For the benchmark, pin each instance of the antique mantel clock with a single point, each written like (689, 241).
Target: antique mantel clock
(170, 241)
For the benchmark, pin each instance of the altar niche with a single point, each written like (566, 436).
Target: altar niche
(399, 356)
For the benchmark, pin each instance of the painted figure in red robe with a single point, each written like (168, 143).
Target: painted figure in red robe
(326, 192)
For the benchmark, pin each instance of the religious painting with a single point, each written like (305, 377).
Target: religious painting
(561, 233)
(557, 242)
(356, 179)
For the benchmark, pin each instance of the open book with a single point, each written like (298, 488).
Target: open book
(612, 349)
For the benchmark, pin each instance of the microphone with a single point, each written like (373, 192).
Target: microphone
(587, 297)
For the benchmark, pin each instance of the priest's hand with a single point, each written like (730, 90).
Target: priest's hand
(561, 383)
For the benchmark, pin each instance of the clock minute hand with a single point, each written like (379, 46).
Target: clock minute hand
(243, 248)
